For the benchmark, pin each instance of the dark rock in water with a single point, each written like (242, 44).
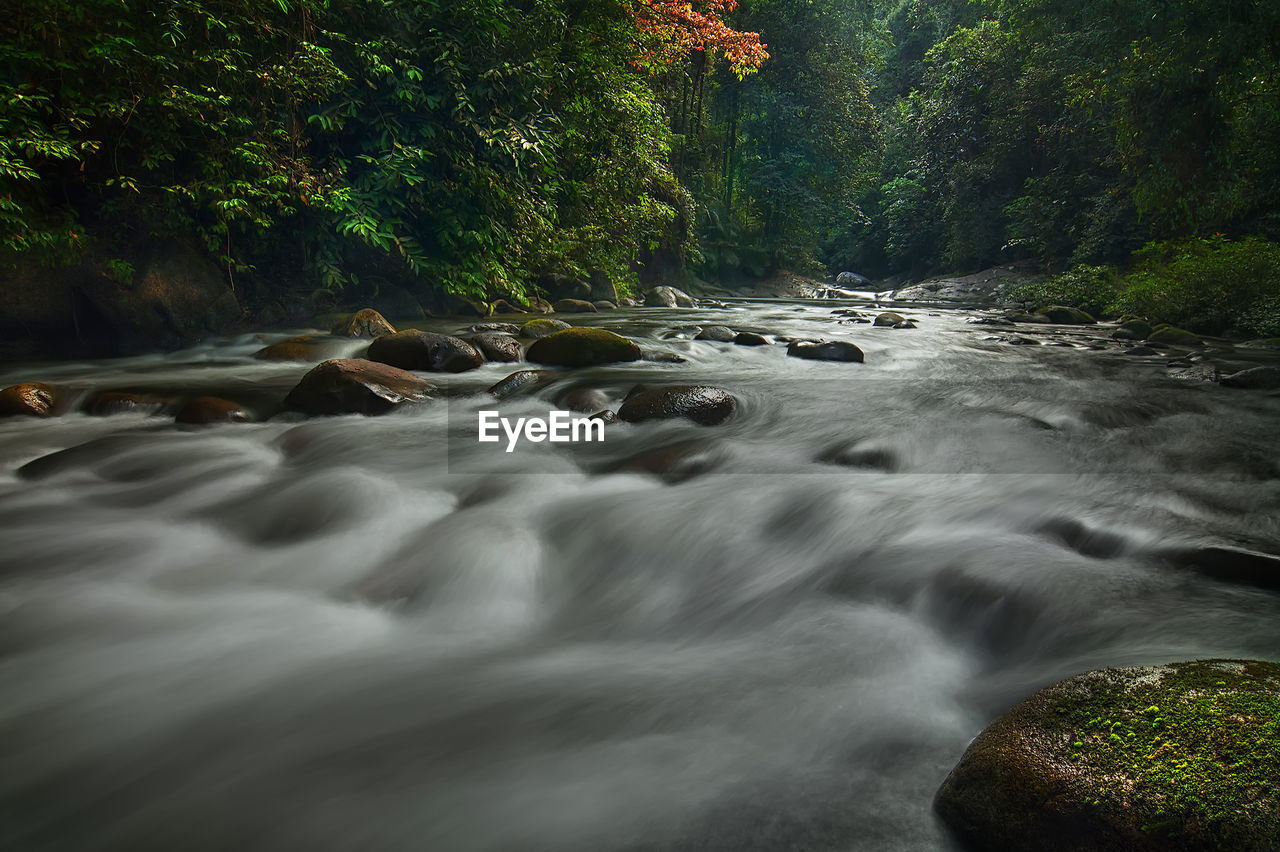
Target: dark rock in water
(607, 416)
(293, 349)
(574, 306)
(1133, 330)
(31, 399)
(422, 350)
(1174, 337)
(107, 403)
(750, 338)
(1141, 350)
(672, 463)
(825, 350)
(702, 404)
(1022, 341)
(1084, 539)
(718, 333)
(1023, 316)
(496, 346)
(365, 323)
(663, 358)
(862, 454)
(521, 381)
(583, 347)
(853, 280)
(1255, 378)
(356, 386)
(502, 306)
(989, 321)
(542, 327)
(1063, 315)
(211, 409)
(1158, 759)
(500, 327)
(1231, 564)
(889, 319)
(668, 297)
(583, 399)
(605, 305)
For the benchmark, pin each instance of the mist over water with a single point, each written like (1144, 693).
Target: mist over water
(379, 634)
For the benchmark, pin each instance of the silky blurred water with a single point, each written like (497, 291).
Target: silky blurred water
(378, 634)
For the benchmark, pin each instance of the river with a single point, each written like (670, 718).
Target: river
(379, 634)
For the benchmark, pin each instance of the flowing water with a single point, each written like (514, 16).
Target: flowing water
(776, 634)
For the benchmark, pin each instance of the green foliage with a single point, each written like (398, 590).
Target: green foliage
(1093, 289)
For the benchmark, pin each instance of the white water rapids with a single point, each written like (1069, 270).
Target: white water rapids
(359, 633)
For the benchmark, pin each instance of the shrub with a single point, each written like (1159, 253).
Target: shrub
(1090, 288)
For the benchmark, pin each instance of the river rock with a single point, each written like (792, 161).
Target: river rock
(825, 350)
(583, 347)
(574, 306)
(889, 319)
(365, 323)
(718, 333)
(602, 289)
(521, 381)
(30, 399)
(496, 346)
(559, 286)
(204, 410)
(853, 281)
(583, 399)
(422, 350)
(605, 305)
(1254, 378)
(750, 338)
(702, 404)
(1171, 336)
(107, 403)
(1155, 759)
(502, 306)
(1133, 330)
(293, 349)
(667, 297)
(356, 386)
(542, 327)
(1063, 315)
(500, 327)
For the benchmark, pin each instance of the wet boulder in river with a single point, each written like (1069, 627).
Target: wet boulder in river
(705, 405)
(750, 338)
(502, 306)
(542, 327)
(293, 349)
(356, 386)
(422, 350)
(1171, 336)
(204, 410)
(1132, 330)
(30, 399)
(500, 327)
(825, 350)
(364, 323)
(583, 347)
(667, 297)
(718, 333)
(1159, 759)
(1063, 315)
(574, 306)
(889, 319)
(496, 346)
(521, 381)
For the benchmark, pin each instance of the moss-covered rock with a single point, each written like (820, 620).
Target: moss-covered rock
(1134, 329)
(583, 347)
(1063, 315)
(30, 399)
(542, 327)
(1171, 336)
(356, 386)
(365, 323)
(1178, 757)
(702, 404)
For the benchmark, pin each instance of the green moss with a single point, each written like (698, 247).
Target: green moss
(583, 347)
(1202, 742)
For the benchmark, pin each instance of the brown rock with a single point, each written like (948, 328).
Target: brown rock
(31, 399)
(421, 350)
(498, 347)
(293, 349)
(363, 323)
(356, 386)
(522, 380)
(574, 306)
(211, 409)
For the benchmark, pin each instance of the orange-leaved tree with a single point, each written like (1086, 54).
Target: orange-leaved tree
(673, 28)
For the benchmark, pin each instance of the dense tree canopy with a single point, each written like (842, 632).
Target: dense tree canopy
(469, 146)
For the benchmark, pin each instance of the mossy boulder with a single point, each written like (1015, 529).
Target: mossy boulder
(365, 323)
(1178, 757)
(574, 306)
(29, 399)
(1134, 329)
(1171, 336)
(1063, 315)
(583, 347)
(542, 327)
(356, 386)
(707, 406)
(422, 350)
